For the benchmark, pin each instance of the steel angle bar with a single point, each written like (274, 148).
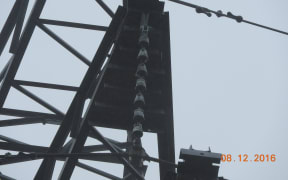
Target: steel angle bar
(23, 113)
(77, 119)
(22, 147)
(112, 142)
(11, 140)
(81, 136)
(83, 133)
(24, 40)
(5, 161)
(38, 100)
(73, 24)
(126, 163)
(45, 85)
(101, 147)
(166, 146)
(5, 69)
(97, 171)
(76, 147)
(57, 155)
(106, 8)
(19, 25)
(28, 120)
(63, 43)
(66, 147)
(46, 169)
(102, 158)
(13, 161)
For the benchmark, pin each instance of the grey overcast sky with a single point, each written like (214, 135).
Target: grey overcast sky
(230, 88)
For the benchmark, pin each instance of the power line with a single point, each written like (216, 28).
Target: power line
(219, 13)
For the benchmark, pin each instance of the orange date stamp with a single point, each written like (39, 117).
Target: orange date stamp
(247, 158)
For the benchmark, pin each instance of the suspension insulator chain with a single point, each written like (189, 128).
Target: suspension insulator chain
(140, 89)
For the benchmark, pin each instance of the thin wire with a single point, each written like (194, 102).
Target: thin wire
(219, 13)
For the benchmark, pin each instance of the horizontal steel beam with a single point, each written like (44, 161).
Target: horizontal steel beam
(23, 113)
(28, 120)
(22, 147)
(5, 161)
(101, 147)
(73, 24)
(45, 85)
(102, 158)
(11, 140)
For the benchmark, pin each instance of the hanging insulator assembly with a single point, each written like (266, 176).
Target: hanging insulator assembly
(139, 100)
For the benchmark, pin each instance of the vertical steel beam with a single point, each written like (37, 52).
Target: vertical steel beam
(27, 34)
(46, 169)
(19, 25)
(166, 138)
(9, 25)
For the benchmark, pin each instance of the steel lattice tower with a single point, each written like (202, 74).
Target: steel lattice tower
(129, 76)
(128, 83)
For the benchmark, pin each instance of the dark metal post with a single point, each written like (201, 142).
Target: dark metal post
(166, 138)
